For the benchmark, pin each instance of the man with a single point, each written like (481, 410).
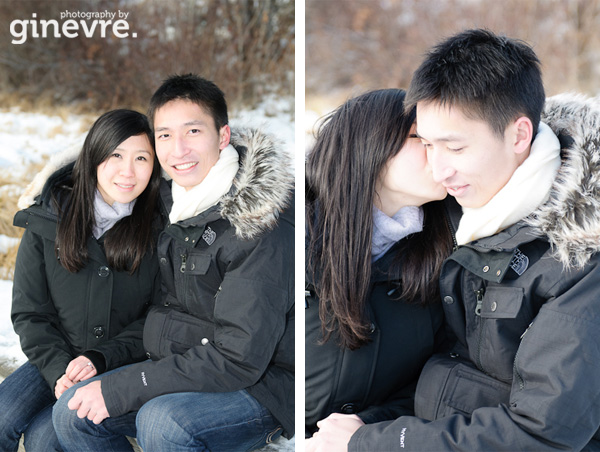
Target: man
(521, 291)
(221, 374)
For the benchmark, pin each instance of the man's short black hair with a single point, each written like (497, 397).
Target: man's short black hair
(489, 77)
(195, 89)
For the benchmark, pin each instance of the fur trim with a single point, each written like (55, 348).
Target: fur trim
(263, 185)
(56, 162)
(570, 218)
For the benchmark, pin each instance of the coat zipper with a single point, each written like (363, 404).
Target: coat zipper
(479, 297)
(449, 223)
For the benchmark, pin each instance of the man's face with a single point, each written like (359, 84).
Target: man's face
(465, 155)
(187, 142)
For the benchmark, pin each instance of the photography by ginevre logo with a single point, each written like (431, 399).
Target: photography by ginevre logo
(72, 24)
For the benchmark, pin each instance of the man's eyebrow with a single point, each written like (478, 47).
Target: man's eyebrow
(443, 138)
(195, 122)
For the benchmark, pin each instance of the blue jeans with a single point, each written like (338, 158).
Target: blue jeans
(189, 421)
(26, 403)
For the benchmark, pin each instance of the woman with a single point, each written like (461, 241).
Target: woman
(85, 274)
(375, 245)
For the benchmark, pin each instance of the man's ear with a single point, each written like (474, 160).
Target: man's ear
(523, 134)
(224, 137)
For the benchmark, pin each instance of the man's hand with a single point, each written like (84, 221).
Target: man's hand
(62, 384)
(334, 433)
(79, 369)
(89, 402)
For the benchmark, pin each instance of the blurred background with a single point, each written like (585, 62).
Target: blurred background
(353, 46)
(245, 46)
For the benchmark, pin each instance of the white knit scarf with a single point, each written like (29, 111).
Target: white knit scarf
(218, 181)
(528, 187)
(106, 216)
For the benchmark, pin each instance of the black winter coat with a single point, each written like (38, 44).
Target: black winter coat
(376, 381)
(226, 321)
(59, 315)
(524, 306)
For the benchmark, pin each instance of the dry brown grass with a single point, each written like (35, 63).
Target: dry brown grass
(10, 189)
(7, 263)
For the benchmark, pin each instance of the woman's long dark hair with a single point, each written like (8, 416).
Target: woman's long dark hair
(353, 145)
(129, 239)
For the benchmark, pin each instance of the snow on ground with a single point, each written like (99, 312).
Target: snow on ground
(10, 350)
(33, 137)
(7, 243)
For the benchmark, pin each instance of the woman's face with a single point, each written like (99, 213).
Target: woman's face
(406, 179)
(124, 175)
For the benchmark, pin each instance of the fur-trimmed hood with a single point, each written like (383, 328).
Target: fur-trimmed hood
(570, 218)
(262, 188)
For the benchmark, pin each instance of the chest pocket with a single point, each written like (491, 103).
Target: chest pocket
(197, 264)
(505, 316)
(502, 302)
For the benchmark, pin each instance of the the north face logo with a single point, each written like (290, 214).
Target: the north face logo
(209, 235)
(519, 262)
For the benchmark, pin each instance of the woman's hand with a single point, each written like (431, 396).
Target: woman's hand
(81, 368)
(62, 384)
(334, 433)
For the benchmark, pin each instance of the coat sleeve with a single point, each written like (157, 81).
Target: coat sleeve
(33, 314)
(555, 395)
(249, 320)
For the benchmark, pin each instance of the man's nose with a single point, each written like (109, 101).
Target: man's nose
(441, 169)
(180, 148)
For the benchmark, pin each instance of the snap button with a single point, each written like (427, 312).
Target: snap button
(148, 355)
(163, 260)
(486, 269)
(187, 239)
(103, 271)
(448, 299)
(98, 332)
(499, 272)
(204, 341)
(494, 306)
(372, 329)
(348, 408)
(454, 355)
